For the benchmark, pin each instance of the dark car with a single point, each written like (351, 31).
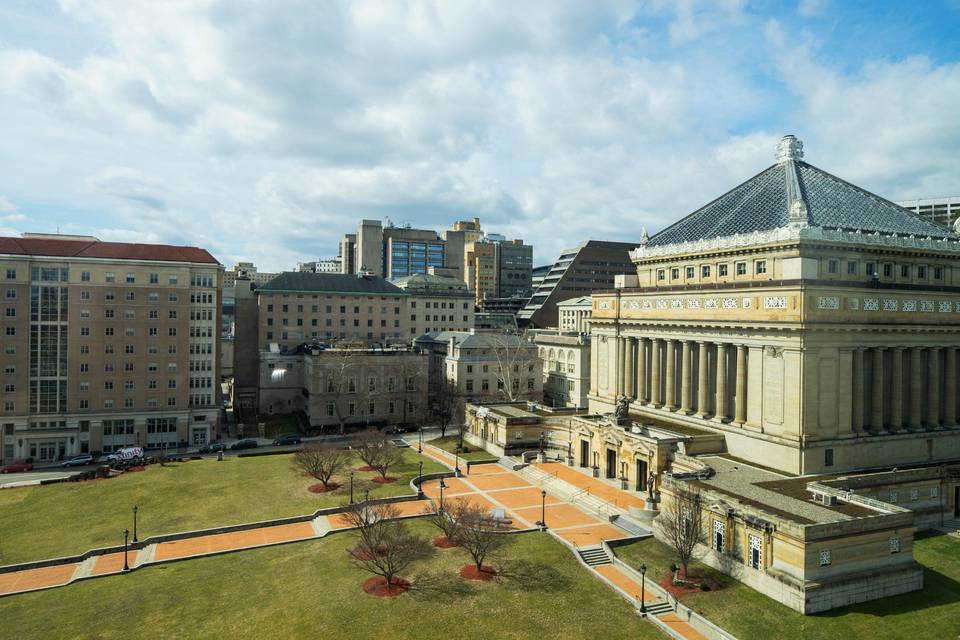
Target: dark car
(290, 438)
(17, 467)
(78, 461)
(244, 444)
(213, 447)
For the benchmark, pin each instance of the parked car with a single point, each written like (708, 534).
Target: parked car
(213, 447)
(244, 444)
(78, 461)
(17, 467)
(290, 438)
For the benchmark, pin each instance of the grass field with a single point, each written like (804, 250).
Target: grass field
(449, 443)
(69, 518)
(932, 613)
(311, 590)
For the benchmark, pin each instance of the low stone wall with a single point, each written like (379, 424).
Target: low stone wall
(879, 584)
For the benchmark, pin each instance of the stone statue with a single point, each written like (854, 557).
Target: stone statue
(621, 412)
(956, 226)
(651, 480)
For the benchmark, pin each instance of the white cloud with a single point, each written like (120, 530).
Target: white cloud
(7, 207)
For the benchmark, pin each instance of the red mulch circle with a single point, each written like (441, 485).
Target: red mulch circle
(443, 542)
(470, 572)
(365, 468)
(320, 488)
(377, 586)
(363, 553)
(681, 590)
(386, 480)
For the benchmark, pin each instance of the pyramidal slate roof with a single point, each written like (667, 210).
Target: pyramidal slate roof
(795, 192)
(309, 282)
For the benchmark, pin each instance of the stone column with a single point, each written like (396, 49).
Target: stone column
(857, 420)
(656, 345)
(620, 369)
(950, 387)
(703, 377)
(670, 401)
(594, 359)
(721, 413)
(916, 386)
(896, 389)
(741, 388)
(631, 385)
(933, 387)
(686, 378)
(641, 391)
(876, 405)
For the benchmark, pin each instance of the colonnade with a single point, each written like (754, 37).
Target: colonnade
(649, 375)
(932, 370)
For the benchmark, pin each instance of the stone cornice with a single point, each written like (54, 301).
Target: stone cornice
(796, 233)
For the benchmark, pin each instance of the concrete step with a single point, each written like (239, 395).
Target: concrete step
(659, 608)
(594, 556)
(629, 525)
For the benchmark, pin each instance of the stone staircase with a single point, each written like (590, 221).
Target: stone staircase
(568, 492)
(659, 608)
(594, 556)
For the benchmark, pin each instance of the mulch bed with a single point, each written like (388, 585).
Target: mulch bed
(320, 488)
(470, 572)
(137, 468)
(377, 586)
(363, 553)
(366, 468)
(386, 480)
(681, 590)
(443, 542)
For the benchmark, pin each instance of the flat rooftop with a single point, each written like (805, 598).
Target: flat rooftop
(777, 494)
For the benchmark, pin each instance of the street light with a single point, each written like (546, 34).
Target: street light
(135, 523)
(420, 440)
(543, 508)
(443, 485)
(420, 481)
(126, 536)
(456, 462)
(643, 588)
(351, 487)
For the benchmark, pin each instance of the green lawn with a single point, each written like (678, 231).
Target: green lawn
(69, 518)
(312, 590)
(933, 612)
(449, 443)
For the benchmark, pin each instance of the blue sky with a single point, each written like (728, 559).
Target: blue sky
(264, 131)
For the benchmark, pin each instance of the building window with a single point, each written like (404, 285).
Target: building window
(938, 273)
(719, 534)
(85, 276)
(11, 274)
(851, 268)
(895, 545)
(11, 294)
(914, 495)
(904, 271)
(110, 276)
(893, 497)
(760, 267)
(755, 557)
(690, 272)
(888, 270)
(824, 557)
(828, 457)
(705, 271)
(661, 275)
(934, 492)
(675, 273)
(833, 266)
(871, 269)
(741, 268)
(922, 272)
(722, 270)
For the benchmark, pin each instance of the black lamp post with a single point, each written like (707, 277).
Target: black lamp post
(420, 481)
(456, 462)
(351, 487)
(420, 439)
(126, 536)
(443, 485)
(643, 588)
(135, 509)
(543, 508)
(366, 495)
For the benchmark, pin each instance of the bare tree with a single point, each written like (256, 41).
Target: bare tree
(389, 457)
(341, 382)
(322, 461)
(479, 534)
(515, 353)
(386, 545)
(447, 404)
(445, 517)
(681, 521)
(368, 445)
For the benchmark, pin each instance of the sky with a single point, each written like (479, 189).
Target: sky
(265, 130)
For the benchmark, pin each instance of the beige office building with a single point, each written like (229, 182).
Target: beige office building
(106, 345)
(437, 303)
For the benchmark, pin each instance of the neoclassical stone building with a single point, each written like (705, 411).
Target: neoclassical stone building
(815, 325)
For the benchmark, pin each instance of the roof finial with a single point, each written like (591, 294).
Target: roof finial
(789, 148)
(644, 238)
